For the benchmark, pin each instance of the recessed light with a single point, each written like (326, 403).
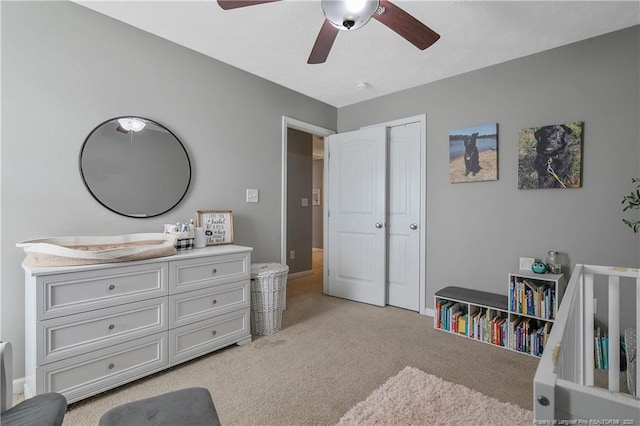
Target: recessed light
(361, 85)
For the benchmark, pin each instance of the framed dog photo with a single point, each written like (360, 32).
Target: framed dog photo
(217, 224)
(550, 156)
(473, 153)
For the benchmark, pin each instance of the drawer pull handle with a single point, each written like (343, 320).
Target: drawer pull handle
(213, 333)
(110, 366)
(214, 301)
(215, 271)
(111, 286)
(111, 326)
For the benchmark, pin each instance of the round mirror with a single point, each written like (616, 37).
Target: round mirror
(135, 167)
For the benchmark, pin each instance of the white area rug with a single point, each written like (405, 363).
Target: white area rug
(413, 397)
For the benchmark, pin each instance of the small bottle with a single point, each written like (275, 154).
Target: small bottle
(553, 263)
(200, 240)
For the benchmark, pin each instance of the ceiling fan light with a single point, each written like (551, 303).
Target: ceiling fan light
(131, 124)
(355, 6)
(349, 14)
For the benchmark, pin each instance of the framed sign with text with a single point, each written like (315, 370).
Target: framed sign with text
(217, 224)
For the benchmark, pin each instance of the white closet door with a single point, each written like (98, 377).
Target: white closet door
(357, 181)
(404, 216)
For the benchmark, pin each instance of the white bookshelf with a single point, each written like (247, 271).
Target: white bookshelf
(519, 321)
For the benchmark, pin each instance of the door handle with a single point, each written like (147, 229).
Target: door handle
(379, 225)
(413, 226)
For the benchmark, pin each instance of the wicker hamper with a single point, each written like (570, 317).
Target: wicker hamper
(268, 297)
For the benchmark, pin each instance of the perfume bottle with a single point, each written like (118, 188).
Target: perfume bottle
(553, 263)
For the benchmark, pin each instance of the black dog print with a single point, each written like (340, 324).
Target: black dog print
(471, 159)
(553, 161)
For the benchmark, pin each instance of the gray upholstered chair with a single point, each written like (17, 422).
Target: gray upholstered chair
(191, 406)
(46, 409)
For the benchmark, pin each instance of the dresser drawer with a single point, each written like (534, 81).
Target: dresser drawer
(65, 294)
(202, 272)
(75, 334)
(85, 375)
(202, 337)
(186, 308)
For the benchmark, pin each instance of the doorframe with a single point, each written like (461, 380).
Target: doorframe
(292, 123)
(422, 226)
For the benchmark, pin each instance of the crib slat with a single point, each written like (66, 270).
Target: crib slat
(614, 333)
(588, 330)
(637, 331)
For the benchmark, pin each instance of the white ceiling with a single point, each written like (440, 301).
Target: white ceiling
(273, 41)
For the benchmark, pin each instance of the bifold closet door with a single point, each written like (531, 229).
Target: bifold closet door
(357, 196)
(404, 223)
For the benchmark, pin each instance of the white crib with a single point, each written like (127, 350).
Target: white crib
(563, 384)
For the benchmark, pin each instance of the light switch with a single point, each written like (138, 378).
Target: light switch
(305, 202)
(252, 195)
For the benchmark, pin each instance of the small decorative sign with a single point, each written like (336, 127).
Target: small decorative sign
(217, 224)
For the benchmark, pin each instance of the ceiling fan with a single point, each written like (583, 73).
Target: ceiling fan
(349, 15)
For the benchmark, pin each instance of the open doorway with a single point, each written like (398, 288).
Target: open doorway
(317, 217)
(304, 210)
(303, 188)
(305, 221)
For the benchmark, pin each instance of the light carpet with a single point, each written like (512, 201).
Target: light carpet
(413, 397)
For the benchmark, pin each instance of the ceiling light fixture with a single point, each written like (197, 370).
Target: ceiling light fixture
(349, 14)
(131, 124)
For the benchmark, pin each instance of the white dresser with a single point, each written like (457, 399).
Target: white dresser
(92, 328)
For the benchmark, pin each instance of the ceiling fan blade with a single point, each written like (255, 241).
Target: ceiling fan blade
(234, 4)
(323, 43)
(414, 31)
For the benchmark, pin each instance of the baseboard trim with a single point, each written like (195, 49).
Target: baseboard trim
(299, 274)
(429, 312)
(18, 386)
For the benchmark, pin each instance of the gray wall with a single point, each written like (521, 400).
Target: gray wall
(477, 231)
(299, 171)
(66, 69)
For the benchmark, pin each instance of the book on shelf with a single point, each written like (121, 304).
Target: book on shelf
(512, 332)
(499, 331)
(539, 339)
(601, 349)
(512, 293)
(547, 333)
(454, 312)
(472, 324)
(533, 298)
(455, 315)
(523, 330)
(462, 324)
(451, 316)
(491, 318)
(443, 314)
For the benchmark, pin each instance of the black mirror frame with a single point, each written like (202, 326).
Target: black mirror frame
(150, 121)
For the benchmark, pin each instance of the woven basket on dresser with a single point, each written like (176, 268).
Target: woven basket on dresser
(268, 297)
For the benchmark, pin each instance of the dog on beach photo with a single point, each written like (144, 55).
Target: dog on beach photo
(471, 156)
(473, 153)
